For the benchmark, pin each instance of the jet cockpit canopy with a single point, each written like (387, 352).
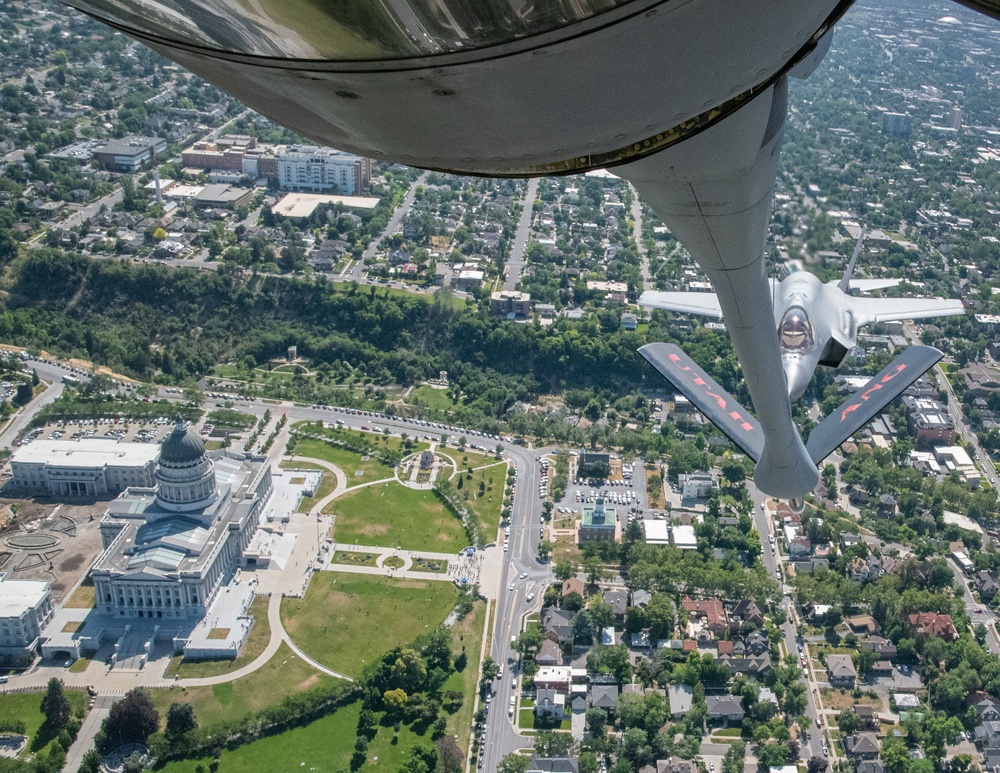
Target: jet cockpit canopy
(795, 331)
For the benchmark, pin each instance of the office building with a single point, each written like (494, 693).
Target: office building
(91, 467)
(130, 154)
(311, 168)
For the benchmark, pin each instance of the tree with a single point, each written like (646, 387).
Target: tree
(56, 706)
(601, 612)
(131, 720)
(91, 762)
(895, 755)
(593, 567)
(394, 700)
(513, 763)
(848, 722)
(597, 720)
(180, 720)
(564, 570)
(816, 765)
(544, 550)
(490, 669)
(549, 744)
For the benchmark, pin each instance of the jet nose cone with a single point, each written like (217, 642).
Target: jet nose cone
(796, 378)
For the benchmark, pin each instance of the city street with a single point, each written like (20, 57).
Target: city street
(515, 263)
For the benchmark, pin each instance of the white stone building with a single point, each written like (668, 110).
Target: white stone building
(697, 485)
(169, 550)
(89, 467)
(25, 608)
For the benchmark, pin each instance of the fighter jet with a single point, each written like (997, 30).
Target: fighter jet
(817, 323)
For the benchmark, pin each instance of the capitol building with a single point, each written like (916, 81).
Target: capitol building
(169, 549)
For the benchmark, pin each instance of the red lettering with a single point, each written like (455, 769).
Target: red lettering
(719, 401)
(890, 376)
(676, 360)
(869, 391)
(848, 410)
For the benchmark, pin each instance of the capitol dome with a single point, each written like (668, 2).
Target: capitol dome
(181, 446)
(185, 475)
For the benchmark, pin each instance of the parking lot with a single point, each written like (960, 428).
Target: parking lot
(624, 491)
(150, 431)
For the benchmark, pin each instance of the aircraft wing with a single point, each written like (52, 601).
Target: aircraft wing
(866, 285)
(869, 310)
(705, 304)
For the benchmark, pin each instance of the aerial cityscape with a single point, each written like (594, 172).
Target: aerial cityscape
(316, 461)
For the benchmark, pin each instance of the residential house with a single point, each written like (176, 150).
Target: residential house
(550, 703)
(923, 624)
(987, 707)
(755, 665)
(680, 697)
(757, 643)
(725, 708)
(858, 569)
(572, 585)
(618, 601)
(554, 678)
(549, 654)
(869, 718)
(986, 584)
(641, 598)
(557, 624)
(882, 668)
(799, 547)
(748, 611)
(880, 646)
(604, 696)
(710, 611)
(863, 746)
(862, 624)
(887, 506)
(840, 671)
(988, 733)
(870, 766)
(672, 765)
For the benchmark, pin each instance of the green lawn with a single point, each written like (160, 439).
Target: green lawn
(348, 461)
(260, 635)
(429, 397)
(281, 676)
(391, 515)
(27, 706)
(483, 495)
(376, 441)
(323, 746)
(463, 459)
(468, 635)
(345, 621)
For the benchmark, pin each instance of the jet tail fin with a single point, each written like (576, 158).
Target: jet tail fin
(711, 399)
(862, 406)
(845, 282)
